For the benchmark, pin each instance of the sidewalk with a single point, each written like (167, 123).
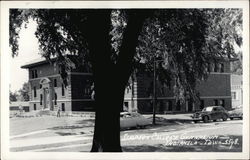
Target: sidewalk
(182, 118)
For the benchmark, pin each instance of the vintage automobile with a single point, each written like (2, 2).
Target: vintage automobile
(133, 120)
(211, 113)
(236, 113)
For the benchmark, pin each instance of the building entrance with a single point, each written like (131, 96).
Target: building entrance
(46, 88)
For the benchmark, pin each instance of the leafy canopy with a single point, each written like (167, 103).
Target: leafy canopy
(183, 41)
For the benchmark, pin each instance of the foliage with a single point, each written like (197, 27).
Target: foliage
(24, 92)
(237, 65)
(13, 96)
(183, 41)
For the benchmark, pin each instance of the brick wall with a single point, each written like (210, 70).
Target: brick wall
(215, 88)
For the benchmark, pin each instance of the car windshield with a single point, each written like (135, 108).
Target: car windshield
(209, 109)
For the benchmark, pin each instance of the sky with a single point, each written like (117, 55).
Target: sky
(28, 50)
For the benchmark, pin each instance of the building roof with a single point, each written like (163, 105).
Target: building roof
(43, 60)
(236, 79)
(19, 103)
(35, 62)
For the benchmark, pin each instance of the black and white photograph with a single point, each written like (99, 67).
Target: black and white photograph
(139, 80)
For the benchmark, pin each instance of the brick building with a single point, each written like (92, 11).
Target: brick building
(47, 90)
(236, 90)
(215, 90)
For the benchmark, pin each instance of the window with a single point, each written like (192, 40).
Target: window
(216, 102)
(87, 91)
(215, 109)
(170, 107)
(202, 104)
(212, 66)
(178, 106)
(222, 102)
(55, 67)
(41, 99)
(222, 67)
(208, 109)
(63, 90)
(234, 96)
(63, 107)
(32, 74)
(215, 67)
(36, 74)
(209, 67)
(125, 107)
(34, 91)
(41, 86)
(55, 102)
(55, 83)
(34, 106)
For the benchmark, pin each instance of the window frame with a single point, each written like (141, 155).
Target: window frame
(63, 90)
(55, 82)
(41, 99)
(34, 89)
(55, 99)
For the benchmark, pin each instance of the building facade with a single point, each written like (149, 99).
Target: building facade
(236, 90)
(48, 92)
(215, 90)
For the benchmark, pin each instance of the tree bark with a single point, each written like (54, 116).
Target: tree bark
(109, 78)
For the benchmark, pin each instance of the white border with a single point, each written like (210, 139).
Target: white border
(5, 154)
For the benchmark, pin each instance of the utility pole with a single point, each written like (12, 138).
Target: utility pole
(154, 92)
(132, 90)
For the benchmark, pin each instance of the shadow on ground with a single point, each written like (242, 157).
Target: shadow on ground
(172, 121)
(78, 128)
(79, 124)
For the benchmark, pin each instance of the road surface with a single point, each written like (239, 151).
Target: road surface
(177, 137)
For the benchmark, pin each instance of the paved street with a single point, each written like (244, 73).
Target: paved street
(75, 135)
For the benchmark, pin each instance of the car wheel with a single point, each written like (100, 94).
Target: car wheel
(241, 118)
(224, 118)
(231, 118)
(205, 119)
(215, 120)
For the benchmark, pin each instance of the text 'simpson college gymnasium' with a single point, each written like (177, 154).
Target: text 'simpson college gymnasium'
(47, 90)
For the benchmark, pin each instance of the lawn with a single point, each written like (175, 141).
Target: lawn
(25, 125)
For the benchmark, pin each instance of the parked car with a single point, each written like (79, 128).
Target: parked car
(211, 113)
(132, 120)
(236, 113)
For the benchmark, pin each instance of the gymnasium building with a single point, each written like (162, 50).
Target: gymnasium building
(47, 90)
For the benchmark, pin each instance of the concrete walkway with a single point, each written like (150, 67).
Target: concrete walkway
(171, 117)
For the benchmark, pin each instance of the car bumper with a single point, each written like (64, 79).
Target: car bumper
(235, 116)
(197, 118)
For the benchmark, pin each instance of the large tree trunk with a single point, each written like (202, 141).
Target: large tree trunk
(110, 79)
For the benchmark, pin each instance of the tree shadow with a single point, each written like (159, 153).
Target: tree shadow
(84, 121)
(65, 133)
(173, 121)
(78, 124)
(66, 127)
